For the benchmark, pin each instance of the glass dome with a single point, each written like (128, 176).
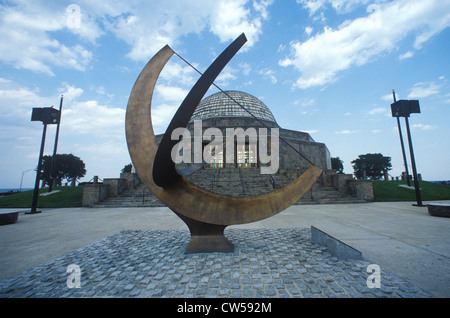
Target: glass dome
(221, 105)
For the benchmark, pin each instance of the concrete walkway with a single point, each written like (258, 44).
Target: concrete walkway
(401, 238)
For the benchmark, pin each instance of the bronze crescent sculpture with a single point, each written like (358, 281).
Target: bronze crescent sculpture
(206, 214)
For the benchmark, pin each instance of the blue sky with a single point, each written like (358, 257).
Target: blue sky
(327, 67)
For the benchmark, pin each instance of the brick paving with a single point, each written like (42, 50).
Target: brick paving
(266, 263)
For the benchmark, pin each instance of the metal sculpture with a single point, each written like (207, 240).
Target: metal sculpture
(205, 213)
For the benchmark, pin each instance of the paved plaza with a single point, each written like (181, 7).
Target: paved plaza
(139, 252)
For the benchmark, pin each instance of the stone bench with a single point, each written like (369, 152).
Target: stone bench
(439, 209)
(8, 217)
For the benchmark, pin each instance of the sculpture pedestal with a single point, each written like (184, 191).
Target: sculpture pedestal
(206, 237)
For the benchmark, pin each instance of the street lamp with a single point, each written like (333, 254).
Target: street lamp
(52, 167)
(403, 108)
(48, 116)
(21, 179)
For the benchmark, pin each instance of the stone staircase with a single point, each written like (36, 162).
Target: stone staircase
(137, 197)
(320, 194)
(233, 182)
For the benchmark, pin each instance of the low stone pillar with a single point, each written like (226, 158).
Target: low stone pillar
(362, 189)
(340, 181)
(132, 180)
(328, 177)
(116, 186)
(94, 193)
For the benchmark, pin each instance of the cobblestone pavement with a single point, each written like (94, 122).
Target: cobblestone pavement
(266, 263)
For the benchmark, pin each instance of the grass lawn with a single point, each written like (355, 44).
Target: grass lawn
(388, 191)
(66, 197)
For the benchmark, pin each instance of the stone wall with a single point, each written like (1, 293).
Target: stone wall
(362, 189)
(94, 193)
(131, 179)
(116, 186)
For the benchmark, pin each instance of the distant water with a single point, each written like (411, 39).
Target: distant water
(14, 189)
(442, 182)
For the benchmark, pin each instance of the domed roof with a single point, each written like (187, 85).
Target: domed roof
(228, 104)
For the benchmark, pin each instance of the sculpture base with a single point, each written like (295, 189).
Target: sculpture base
(206, 237)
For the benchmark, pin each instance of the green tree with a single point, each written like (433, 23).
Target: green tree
(127, 168)
(336, 164)
(66, 167)
(373, 164)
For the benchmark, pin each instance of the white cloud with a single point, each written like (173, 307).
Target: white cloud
(312, 5)
(183, 75)
(345, 132)
(79, 117)
(390, 97)
(421, 90)
(269, 74)
(406, 55)
(308, 30)
(161, 116)
(246, 68)
(171, 93)
(28, 27)
(305, 102)
(378, 111)
(423, 127)
(313, 131)
(230, 18)
(148, 28)
(16, 102)
(226, 75)
(93, 131)
(91, 118)
(341, 6)
(362, 40)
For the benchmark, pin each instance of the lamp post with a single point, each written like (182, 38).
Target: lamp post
(47, 115)
(52, 168)
(402, 144)
(403, 108)
(21, 178)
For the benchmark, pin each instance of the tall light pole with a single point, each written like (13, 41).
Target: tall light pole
(21, 179)
(402, 144)
(47, 115)
(53, 165)
(403, 108)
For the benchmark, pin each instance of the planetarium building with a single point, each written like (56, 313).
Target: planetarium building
(237, 168)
